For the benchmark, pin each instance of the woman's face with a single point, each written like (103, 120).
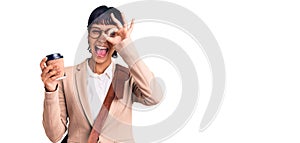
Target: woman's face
(101, 49)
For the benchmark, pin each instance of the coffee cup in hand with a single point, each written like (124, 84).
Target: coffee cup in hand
(58, 60)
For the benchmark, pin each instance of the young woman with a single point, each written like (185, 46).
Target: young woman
(94, 102)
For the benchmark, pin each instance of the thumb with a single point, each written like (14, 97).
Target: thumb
(113, 40)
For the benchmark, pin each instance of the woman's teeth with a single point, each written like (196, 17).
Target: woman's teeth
(101, 51)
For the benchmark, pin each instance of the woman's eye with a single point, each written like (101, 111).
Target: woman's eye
(96, 31)
(112, 34)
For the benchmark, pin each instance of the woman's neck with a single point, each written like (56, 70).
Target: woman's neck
(98, 68)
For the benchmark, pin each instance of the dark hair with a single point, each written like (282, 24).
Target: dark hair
(102, 15)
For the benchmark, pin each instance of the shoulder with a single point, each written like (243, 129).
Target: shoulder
(78, 67)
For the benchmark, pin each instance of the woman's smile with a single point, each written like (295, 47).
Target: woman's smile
(101, 51)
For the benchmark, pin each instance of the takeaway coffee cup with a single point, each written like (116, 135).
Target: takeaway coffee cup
(58, 60)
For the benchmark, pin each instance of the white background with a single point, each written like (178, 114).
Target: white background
(259, 40)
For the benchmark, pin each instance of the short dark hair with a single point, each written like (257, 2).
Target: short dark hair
(102, 15)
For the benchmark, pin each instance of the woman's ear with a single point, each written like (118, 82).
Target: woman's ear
(89, 49)
(115, 54)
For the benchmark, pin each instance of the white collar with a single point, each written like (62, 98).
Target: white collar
(108, 72)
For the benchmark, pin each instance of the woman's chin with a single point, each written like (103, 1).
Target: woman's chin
(101, 59)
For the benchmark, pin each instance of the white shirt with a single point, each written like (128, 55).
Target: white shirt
(97, 88)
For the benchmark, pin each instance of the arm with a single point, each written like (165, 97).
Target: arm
(55, 114)
(144, 85)
(146, 89)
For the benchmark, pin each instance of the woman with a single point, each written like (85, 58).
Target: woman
(96, 97)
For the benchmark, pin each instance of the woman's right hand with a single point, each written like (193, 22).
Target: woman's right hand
(49, 75)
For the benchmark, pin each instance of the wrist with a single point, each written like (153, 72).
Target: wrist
(51, 90)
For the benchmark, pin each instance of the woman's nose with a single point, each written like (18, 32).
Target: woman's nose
(102, 38)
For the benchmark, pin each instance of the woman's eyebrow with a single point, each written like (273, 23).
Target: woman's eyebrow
(95, 27)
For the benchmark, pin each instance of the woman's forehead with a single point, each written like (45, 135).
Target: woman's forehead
(103, 26)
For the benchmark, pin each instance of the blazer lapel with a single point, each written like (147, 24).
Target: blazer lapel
(121, 74)
(81, 86)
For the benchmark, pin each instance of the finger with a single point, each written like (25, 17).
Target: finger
(131, 26)
(116, 21)
(57, 75)
(52, 73)
(53, 78)
(47, 70)
(113, 40)
(124, 20)
(44, 72)
(109, 39)
(49, 76)
(42, 63)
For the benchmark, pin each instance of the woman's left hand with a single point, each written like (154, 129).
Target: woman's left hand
(123, 30)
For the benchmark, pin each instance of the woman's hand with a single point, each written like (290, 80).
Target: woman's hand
(49, 75)
(123, 31)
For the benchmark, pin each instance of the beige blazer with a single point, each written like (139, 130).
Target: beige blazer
(67, 109)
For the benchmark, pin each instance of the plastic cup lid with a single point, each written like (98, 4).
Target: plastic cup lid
(54, 56)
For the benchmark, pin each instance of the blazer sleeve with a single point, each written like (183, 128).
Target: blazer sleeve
(143, 82)
(55, 114)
